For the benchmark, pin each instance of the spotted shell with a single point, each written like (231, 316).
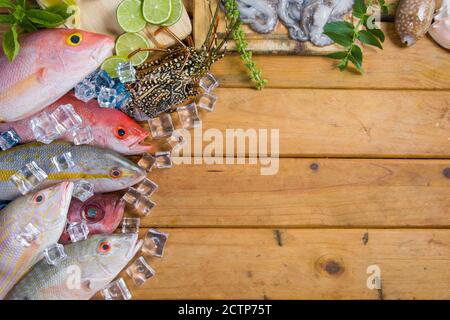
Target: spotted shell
(413, 19)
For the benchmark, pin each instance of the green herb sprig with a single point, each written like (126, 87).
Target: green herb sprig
(22, 17)
(348, 33)
(233, 15)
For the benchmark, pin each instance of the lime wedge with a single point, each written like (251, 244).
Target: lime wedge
(128, 43)
(129, 16)
(157, 11)
(110, 65)
(175, 16)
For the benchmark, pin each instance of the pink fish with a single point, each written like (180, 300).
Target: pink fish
(112, 128)
(50, 63)
(102, 212)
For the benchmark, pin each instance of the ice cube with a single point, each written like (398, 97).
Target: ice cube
(176, 141)
(83, 190)
(209, 82)
(55, 254)
(154, 243)
(102, 80)
(147, 187)
(28, 177)
(147, 162)
(107, 98)
(163, 160)
(126, 72)
(161, 126)
(78, 231)
(130, 225)
(140, 271)
(132, 196)
(123, 95)
(66, 118)
(207, 102)
(45, 128)
(116, 290)
(83, 136)
(188, 116)
(28, 235)
(85, 91)
(63, 161)
(9, 139)
(143, 206)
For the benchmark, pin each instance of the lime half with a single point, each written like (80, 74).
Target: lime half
(110, 65)
(129, 16)
(157, 11)
(175, 16)
(130, 42)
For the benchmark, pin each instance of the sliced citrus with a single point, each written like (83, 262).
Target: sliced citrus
(110, 65)
(157, 11)
(129, 16)
(175, 16)
(130, 42)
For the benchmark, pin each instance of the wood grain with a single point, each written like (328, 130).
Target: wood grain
(338, 123)
(305, 193)
(299, 264)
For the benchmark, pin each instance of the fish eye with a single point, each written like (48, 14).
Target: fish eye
(74, 39)
(104, 247)
(93, 213)
(120, 133)
(38, 198)
(115, 173)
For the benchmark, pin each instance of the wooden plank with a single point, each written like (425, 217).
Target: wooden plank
(305, 193)
(337, 123)
(422, 66)
(299, 264)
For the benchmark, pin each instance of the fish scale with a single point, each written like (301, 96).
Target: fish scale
(91, 163)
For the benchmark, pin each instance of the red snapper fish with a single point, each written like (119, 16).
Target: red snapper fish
(102, 213)
(50, 63)
(112, 129)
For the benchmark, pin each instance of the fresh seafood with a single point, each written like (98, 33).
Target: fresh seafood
(260, 15)
(44, 210)
(440, 29)
(112, 129)
(102, 213)
(50, 63)
(105, 169)
(89, 267)
(413, 19)
(290, 13)
(170, 79)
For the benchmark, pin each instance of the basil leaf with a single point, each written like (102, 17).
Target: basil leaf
(377, 33)
(356, 57)
(44, 18)
(368, 38)
(19, 13)
(61, 10)
(344, 40)
(337, 55)
(341, 27)
(28, 25)
(7, 4)
(343, 64)
(7, 18)
(359, 8)
(11, 44)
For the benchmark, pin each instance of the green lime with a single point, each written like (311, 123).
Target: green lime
(129, 16)
(130, 42)
(157, 11)
(175, 16)
(110, 65)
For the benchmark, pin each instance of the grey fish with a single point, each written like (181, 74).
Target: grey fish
(47, 211)
(106, 170)
(89, 267)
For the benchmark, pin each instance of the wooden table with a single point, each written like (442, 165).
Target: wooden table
(364, 180)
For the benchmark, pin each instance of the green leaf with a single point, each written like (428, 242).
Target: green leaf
(377, 33)
(368, 38)
(19, 13)
(359, 8)
(7, 18)
(340, 27)
(342, 65)
(344, 40)
(337, 55)
(11, 44)
(356, 57)
(44, 18)
(28, 25)
(7, 4)
(61, 10)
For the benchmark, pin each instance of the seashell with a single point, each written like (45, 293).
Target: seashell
(440, 29)
(413, 19)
